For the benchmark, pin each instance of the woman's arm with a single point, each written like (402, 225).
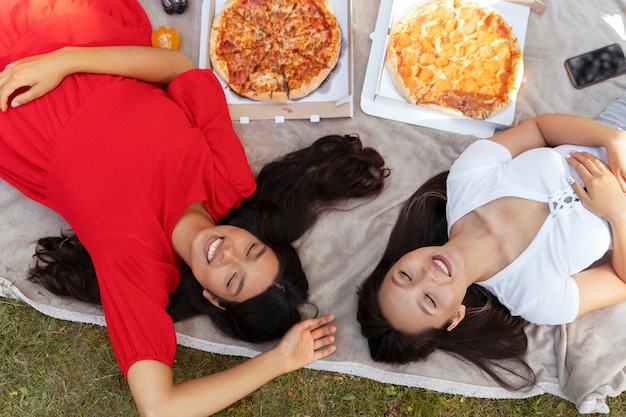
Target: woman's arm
(604, 285)
(42, 73)
(603, 196)
(155, 393)
(599, 287)
(559, 129)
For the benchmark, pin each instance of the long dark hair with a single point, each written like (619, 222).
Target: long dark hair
(487, 335)
(291, 193)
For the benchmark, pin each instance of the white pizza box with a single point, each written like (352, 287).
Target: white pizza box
(334, 98)
(381, 98)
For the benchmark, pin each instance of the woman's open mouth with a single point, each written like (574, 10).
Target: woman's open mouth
(443, 264)
(213, 249)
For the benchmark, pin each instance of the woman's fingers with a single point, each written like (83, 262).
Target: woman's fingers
(27, 79)
(326, 350)
(25, 94)
(317, 326)
(323, 336)
(5, 89)
(14, 90)
(324, 342)
(307, 341)
(587, 165)
(602, 194)
(325, 319)
(323, 332)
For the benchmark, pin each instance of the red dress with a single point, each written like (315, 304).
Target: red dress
(120, 160)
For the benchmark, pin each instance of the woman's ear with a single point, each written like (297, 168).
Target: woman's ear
(456, 319)
(207, 294)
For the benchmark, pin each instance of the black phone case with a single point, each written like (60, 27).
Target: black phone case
(616, 58)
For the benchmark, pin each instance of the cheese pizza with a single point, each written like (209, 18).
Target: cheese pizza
(274, 50)
(455, 56)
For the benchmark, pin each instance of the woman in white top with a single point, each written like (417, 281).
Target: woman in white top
(527, 214)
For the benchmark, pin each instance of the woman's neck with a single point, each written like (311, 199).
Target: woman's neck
(194, 219)
(494, 235)
(481, 249)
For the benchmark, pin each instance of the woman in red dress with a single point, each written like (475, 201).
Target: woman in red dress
(152, 180)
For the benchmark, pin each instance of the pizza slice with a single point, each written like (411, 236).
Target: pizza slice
(257, 13)
(318, 45)
(232, 31)
(267, 80)
(312, 18)
(237, 66)
(280, 10)
(303, 74)
(312, 30)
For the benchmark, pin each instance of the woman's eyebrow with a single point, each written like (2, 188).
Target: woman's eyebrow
(256, 258)
(261, 253)
(396, 282)
(240, 286)
(419, 304)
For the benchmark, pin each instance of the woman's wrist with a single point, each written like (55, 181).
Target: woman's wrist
(68, 60)
(278, 362)
(615, 141)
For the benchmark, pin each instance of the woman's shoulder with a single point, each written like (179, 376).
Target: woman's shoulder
(540, 297)
(480, 154)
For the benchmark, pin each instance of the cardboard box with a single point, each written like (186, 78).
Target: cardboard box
(381, 98)
(334, 98)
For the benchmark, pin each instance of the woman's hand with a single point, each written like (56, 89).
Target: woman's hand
(603, 285)
(155, 393)
(29, 78)
(306, 342)
(603, 193)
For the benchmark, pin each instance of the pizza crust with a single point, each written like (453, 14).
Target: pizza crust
(274, 50)
(457, 57)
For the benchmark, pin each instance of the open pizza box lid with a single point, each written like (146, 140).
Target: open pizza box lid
(334, 98)
(381, 98)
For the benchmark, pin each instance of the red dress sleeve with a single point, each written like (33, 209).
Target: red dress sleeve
(201, 96)
(134, 288)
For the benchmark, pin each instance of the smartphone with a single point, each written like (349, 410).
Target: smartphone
(595, 66)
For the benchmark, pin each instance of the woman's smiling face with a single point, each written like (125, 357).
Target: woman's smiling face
(421, 291)
(231, 263)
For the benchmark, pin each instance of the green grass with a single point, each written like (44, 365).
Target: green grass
(55, 368)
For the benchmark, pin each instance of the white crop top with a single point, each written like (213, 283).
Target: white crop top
(537, 285)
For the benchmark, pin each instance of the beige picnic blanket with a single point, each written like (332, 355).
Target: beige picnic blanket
(582, 362)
